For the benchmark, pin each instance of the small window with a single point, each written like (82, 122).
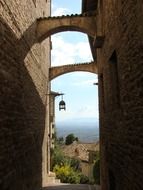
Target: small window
(112, 181)
(101, 80)
(114, 80)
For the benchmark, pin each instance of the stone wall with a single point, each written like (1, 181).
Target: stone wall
(23, 88)
(120, 63)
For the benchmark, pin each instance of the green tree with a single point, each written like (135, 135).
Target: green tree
(70, 138)
(57, 156)
(60, 140)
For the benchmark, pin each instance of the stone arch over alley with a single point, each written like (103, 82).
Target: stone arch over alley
(19, 52)
(24, 73)
(63, 69)
(23, 51)
(44, 27)
(51, 25)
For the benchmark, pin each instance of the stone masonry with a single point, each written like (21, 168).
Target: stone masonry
(63, 69)
(120, 67)
(116, 43)
(47, 26)
(23, 89)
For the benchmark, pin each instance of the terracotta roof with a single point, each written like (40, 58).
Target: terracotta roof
(91, 146)
(80, 150)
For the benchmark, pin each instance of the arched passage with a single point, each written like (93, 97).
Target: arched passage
(43, 28)
(21, 55)
(60, 70)
(81, 98)
(23, 94)
(51, 25)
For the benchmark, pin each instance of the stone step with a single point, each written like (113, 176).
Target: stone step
(51, 178)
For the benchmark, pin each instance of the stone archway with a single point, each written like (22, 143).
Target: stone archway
(60, 70)
(51, 25)
(74, 23)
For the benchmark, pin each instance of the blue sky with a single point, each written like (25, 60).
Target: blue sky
(66, 7)
(81, 96)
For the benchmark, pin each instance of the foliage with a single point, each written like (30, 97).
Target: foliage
(84, 179)
(74, 163)
(70, 138)
(66, 169)
(67, 174)
(60, 140)
(57, 156)
(76, 139)
(96, 170)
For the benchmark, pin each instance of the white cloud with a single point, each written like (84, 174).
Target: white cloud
(64, 53)
(82, 112)
(87, 112)
(84, 82)
(77, 50)
(59, 11)
(83, 50)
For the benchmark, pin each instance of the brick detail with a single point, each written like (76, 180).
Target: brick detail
(23, 88)
(121, 128)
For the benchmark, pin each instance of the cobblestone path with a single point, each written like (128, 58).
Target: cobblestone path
(69, 187)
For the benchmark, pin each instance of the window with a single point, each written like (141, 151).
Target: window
(112, 181)
(114, 80)
(102, 89)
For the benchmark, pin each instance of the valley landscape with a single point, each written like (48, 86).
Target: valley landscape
(85, 130)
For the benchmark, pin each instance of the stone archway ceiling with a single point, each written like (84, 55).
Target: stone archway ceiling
(47, 26)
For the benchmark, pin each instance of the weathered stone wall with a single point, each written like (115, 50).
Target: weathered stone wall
(120, 62)
(23, 87)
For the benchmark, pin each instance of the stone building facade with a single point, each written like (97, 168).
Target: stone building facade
(120, 71)
(24, 81)
(24, 65)
(117, 48)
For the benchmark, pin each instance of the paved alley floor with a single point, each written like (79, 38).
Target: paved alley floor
(69, 187)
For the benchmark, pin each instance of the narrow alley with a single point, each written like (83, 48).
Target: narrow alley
(70, 187)
(114, 32)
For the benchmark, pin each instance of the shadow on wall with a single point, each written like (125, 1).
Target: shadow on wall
(22, 116)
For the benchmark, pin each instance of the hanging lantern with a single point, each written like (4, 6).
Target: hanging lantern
(62, 105)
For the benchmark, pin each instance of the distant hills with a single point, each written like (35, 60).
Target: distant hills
(87, 130)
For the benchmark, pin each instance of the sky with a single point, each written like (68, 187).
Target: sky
(80, 95)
